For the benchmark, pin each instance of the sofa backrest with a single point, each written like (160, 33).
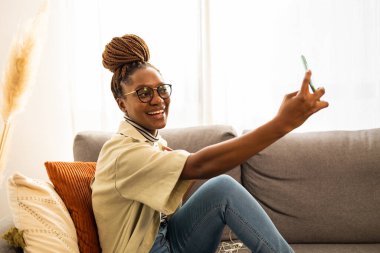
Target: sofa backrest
(87, 145)
(320, 187)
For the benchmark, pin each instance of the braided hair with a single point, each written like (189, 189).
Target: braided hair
(123, 56)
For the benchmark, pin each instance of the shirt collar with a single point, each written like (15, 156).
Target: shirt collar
(134, 130)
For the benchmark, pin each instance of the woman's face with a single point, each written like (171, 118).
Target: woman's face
(151, 115)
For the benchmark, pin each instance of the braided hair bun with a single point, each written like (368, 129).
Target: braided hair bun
(124, 50)
(122, 56)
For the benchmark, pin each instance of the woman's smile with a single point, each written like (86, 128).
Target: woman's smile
(160, 114)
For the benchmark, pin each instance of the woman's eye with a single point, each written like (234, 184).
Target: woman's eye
(163, 90)
(145, 92)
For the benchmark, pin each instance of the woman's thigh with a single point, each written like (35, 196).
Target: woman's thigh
(197, 226)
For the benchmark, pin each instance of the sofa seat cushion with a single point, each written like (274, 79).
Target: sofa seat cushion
(320, 187)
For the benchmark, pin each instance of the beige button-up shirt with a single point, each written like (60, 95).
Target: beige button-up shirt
(135, 180)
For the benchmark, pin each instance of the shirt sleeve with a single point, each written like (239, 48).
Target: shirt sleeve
(151, 176)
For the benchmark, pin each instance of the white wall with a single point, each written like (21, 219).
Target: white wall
(42, 131)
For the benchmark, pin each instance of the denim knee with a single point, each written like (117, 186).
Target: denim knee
(225, 187)
(223, 179)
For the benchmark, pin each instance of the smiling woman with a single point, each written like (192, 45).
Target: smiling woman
(139, 182)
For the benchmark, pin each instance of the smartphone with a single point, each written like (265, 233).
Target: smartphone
(306, 68)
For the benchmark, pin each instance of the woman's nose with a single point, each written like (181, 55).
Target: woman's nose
(156, 99)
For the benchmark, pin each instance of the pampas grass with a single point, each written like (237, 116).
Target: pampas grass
(19, 75)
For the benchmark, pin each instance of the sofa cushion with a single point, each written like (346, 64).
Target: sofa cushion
(39, 211)
(320, 187)
(88, 144)
(72, 182)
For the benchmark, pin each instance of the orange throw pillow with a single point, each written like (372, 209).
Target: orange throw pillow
(71, 181)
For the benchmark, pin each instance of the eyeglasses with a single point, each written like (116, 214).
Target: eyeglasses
(146, 94)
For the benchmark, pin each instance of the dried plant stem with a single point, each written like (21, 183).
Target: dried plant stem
(3, 143)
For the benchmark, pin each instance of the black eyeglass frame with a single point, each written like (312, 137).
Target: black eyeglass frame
(163, 96)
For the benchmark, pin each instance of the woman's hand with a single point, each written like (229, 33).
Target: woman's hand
(298, 106)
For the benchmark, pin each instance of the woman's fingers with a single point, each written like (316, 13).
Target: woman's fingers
(321, 104)
(310, 103)
(319, 93)
(312, 97)
(305, 83)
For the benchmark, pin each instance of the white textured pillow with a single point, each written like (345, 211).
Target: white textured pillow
(41, 214)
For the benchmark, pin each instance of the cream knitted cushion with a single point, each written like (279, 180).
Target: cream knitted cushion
(41, 214)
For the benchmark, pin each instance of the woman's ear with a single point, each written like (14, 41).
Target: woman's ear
(122, 105)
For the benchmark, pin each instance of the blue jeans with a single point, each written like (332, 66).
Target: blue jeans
(198, 225)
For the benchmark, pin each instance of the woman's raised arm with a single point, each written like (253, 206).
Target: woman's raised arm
(219, 158)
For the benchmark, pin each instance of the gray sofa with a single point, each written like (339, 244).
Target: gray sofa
(321, 189)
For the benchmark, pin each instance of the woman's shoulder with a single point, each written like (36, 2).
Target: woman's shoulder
(120, 141)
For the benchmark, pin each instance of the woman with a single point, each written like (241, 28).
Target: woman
(139, 180)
